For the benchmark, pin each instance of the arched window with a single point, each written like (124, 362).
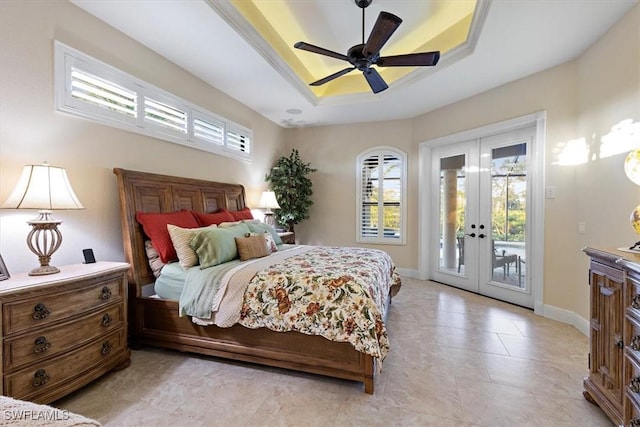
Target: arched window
(381, 190)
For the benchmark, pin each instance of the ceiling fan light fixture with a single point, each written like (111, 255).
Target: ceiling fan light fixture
(363, 56)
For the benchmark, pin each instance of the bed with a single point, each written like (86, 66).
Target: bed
(157, 322)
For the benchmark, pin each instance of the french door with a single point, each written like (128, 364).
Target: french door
(480, 201)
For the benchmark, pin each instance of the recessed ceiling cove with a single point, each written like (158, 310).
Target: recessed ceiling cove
(273, 27)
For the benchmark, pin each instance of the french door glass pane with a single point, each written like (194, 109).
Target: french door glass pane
(508, 214)
(452, 213)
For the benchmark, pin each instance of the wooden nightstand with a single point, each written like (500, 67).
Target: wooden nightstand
(287, 237)
(61, 331)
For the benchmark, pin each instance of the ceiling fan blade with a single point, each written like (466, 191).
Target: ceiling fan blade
(385, 26)
(332, 76)
(409, 60)
(320, 50)
(375, 80)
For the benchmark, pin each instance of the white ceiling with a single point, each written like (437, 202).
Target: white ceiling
(513, 39)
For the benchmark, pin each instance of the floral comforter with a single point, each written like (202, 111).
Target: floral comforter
(336, 292)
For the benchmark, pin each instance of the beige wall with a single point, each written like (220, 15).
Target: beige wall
(333, 150)
(32, 132)
(582, 98)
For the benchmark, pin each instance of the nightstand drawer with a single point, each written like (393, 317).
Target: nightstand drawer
(40, 311)
(42, 377)
(49, 342)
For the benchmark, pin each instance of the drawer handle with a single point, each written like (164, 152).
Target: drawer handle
(619, 343)
(106, 293)
(106, 320)
(40, 378)
(607, 292)
(106, 348)
(635, 301)
(41, 345)
(40, 311)
(634, 385)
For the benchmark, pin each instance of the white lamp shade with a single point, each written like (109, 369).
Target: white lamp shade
(43, 187)
(268, 200)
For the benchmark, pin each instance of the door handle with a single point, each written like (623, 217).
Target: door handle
(482, 236)
(471, 235)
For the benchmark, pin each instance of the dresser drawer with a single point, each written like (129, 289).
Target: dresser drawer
(45, 343)
(40, 311)
(43, 377)
(634, 415)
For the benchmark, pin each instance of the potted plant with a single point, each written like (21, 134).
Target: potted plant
(288, 180)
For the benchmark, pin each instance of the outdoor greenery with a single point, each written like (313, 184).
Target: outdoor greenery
(508, 203)
(288, 180)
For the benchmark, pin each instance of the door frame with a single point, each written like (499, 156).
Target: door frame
(535, 172)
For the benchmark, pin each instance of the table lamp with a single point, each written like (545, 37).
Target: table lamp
(268, 201)
(45, 188)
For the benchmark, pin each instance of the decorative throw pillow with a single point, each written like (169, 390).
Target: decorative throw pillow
(229, 223)
(215, 246)
(205, 219)
(180, 238)
(155, 262)
(261, 227)
(251, 247)
(268, 239)
(242, 214)
(270, 243)
(155, 227)
(238, 229)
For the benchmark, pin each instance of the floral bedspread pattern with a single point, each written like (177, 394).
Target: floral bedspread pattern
(338, 293)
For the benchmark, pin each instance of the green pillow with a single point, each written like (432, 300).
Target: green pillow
(261, 227)
(238, 230)
(214, 246)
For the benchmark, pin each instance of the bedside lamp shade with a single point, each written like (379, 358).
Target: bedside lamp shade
(268, 201)
(45, 188)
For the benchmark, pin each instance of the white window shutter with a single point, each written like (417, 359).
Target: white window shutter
(382, 196)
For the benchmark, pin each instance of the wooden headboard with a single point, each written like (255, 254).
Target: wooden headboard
(148, 192)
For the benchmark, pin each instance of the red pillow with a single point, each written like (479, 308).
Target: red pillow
(242, 214)
(207, 219)
(155, 227)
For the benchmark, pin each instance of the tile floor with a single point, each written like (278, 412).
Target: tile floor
(457, 359)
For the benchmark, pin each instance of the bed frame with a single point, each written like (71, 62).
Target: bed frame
(156, 322)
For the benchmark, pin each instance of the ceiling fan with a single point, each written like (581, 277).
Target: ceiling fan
(363, 56)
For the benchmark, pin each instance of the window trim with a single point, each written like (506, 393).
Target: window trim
(382, 151)
(66, 59)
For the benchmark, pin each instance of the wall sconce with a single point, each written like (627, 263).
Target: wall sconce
(268, 201)
(45, 188)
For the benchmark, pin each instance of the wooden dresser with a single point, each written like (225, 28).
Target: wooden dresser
(613, 382)
(62, 331)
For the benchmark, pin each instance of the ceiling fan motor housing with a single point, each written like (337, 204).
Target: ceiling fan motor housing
(359, 59)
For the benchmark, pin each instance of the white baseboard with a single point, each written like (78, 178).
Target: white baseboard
(568, 317)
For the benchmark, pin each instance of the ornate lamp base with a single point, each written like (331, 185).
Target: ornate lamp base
(269, 219)
(43, 240)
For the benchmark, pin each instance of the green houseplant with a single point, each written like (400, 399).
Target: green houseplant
(288, 179)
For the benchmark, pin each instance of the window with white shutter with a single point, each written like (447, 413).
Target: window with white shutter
(168, 117)
(96, 91)
(381, 183)
(103, 94)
